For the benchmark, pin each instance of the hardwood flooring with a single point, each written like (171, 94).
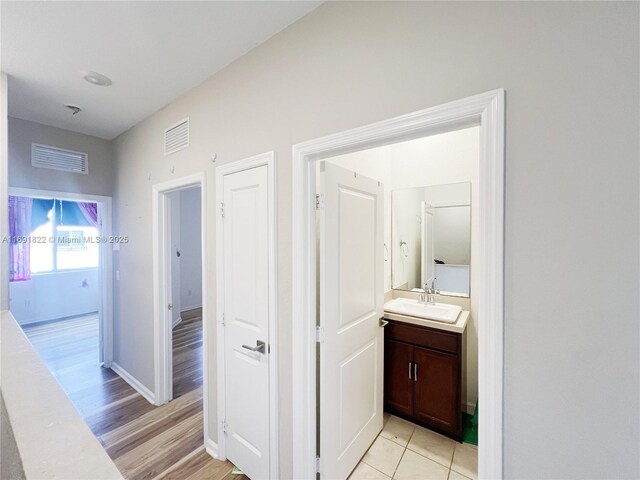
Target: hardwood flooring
(144, 441)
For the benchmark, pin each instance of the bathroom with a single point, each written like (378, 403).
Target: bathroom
(429, 197)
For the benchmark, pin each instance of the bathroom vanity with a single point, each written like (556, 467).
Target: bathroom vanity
(423, 371)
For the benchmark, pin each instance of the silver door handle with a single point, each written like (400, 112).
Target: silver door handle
(409, 370)
(260, 347)
(383, 322)
(415, 372)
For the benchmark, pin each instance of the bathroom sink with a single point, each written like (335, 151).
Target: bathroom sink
(441, 312)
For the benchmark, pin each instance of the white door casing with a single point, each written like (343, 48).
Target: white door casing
(246, 304)
(488, 111)
(351, 305)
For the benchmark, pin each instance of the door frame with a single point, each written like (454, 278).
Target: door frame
(268, 159)
(162, 324)
(486, 110)
(105, 305)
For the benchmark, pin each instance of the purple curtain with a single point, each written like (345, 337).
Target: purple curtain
(19, 232)
(90, 212)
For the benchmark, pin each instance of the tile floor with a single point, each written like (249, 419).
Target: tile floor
(406, 451)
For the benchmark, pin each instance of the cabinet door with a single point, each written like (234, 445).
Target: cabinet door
(436, 384)
(398, 382)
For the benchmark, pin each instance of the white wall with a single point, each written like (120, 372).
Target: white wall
(175, 239)
(22, 133)
(190, 249)
(186, 237)
(49, 296)
(571, 73)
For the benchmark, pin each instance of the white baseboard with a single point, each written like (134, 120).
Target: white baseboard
(134, 382)
(212, 449)
(176, 322)
(186, 309)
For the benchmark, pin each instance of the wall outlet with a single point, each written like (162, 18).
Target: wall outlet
(189, 293)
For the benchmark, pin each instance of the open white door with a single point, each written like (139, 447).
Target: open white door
(246, 320)
(351, 305)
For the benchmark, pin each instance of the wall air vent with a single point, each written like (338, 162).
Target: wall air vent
(46, 156)
(176, 137)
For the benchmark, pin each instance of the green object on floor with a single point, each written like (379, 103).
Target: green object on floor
(470, 433)
(236, 471)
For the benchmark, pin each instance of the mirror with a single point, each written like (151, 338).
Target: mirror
(431, 238)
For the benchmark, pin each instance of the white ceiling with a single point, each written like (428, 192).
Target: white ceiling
(152, 51)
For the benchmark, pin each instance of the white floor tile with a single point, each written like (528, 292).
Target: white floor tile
(384, 455)
(365, 472)
(416, 467)
(456, 476)
(465, 460)
(433, 445)
(398, 430)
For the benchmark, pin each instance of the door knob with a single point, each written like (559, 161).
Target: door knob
(260, 347)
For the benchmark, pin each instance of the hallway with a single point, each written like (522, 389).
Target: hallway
(144, 441)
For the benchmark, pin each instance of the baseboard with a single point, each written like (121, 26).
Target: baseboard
(212, 448)
(176, 322)
(134, 382)
(186, 309)
(38, 321)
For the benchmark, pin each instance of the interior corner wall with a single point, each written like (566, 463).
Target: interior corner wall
(572, 76)
(99, 179)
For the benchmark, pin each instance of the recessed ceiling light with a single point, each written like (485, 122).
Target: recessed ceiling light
(97, 79)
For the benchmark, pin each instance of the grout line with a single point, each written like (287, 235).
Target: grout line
(396, 469)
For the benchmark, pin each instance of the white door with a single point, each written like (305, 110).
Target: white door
(246, 316)
(351, 305)
(428, 249)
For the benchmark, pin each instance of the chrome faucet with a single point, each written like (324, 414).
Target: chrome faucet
(427, 297)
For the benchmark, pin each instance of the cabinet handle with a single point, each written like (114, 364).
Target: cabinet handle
(409, 370)
(415, 372)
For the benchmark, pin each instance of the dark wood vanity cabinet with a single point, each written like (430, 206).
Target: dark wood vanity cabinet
(423, 376)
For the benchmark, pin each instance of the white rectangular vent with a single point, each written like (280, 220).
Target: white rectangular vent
(176, 137)
(45, 156)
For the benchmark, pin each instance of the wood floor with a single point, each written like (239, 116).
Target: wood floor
(144, 441)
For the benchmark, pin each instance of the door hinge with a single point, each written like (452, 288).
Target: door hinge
(222, 209)
(319, 334)
(225, 427)
(224, 322)
(317, 464)
(319, 201)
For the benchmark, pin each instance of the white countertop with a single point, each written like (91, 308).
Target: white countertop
(457, 327)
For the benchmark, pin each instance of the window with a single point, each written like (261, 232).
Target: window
(69, 238)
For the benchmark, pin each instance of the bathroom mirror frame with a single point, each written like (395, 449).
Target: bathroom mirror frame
(397, 243)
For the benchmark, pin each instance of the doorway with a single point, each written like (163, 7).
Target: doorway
(486, 111)
(180, 339)
(185, 237)
(60, 288)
